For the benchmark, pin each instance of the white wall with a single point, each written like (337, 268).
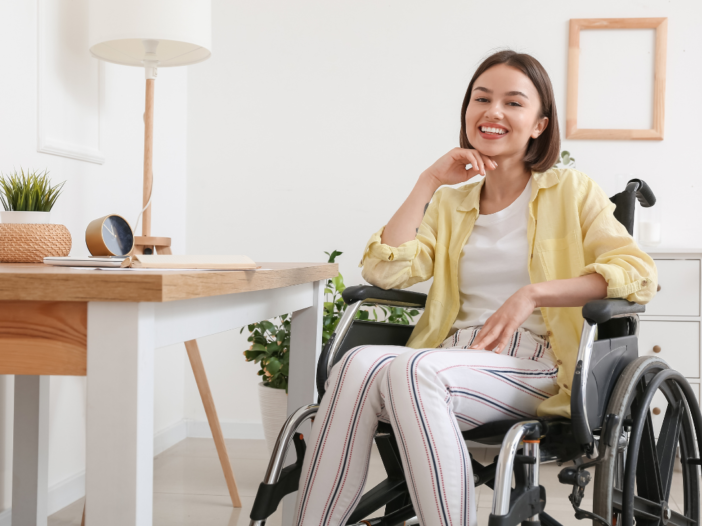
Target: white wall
(91, 190)
(312, 120)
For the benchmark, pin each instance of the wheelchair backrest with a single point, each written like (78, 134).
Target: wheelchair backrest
(362, 333)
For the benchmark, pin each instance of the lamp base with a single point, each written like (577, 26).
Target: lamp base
(152, 245)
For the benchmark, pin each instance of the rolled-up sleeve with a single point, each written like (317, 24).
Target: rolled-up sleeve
(610, 251)
(412, 262)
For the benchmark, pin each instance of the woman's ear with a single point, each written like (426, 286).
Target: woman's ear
(540, 127)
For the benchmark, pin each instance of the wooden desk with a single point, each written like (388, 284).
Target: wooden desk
(106, 324)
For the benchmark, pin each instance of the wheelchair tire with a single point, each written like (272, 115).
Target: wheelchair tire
(618, 496)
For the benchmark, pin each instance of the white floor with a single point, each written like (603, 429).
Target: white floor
(189, 488)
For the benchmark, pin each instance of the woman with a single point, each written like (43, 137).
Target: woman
(514, 257)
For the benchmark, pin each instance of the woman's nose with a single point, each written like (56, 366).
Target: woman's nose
(494, 113)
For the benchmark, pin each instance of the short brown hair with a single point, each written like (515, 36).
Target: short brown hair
(544, 151)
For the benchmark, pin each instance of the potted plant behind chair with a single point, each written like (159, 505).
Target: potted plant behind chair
(26, 235)
(270, 344)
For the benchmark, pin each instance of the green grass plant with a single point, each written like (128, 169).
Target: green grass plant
(28, 192)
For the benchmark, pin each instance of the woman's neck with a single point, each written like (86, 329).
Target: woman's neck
(503, 185)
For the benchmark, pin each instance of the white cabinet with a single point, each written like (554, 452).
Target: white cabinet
(671, 326)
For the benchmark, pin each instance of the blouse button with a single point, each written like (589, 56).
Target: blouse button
(644, 282)
(559, 362)
(549, 333)
(565, 386)
(391, 256)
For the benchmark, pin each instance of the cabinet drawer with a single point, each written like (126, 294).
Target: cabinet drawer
(680, 288)
(660, 404)
(679, 343)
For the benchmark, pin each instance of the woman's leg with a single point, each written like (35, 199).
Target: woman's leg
(431, 395)
(338, 450)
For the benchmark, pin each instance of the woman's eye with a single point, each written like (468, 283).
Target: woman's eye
(515, 103)
(481, 99)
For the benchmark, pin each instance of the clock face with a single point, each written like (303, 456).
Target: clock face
(117, 235)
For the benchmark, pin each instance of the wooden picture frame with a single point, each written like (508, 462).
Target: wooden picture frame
(578, 24)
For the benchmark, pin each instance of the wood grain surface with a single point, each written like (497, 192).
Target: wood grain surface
(43, 338)
(39, 282)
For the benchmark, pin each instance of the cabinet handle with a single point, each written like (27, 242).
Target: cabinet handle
(656, 411)
(656, 348)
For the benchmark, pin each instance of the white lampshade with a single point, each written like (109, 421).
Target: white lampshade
(176, 32)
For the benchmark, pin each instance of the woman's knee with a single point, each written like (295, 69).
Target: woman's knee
(355, 365)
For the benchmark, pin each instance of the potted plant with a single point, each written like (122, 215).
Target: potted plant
(26, 236)
(27, 197)
(270, 344)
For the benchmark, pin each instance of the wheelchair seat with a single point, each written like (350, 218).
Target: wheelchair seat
(610, 428)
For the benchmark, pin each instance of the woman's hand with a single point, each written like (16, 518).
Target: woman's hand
(451, 168)
(499, 328)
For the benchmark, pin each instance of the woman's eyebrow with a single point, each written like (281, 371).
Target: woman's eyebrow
(508, 94)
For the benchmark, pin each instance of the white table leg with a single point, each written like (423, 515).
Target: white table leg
(30, 456)
(305, 348)
(120, 429)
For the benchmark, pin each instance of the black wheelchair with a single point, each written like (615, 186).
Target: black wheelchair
(610, 430)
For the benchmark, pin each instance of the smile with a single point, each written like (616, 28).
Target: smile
(498, 131)
(491, 133)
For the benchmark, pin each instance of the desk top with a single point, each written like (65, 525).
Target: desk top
(39, 282)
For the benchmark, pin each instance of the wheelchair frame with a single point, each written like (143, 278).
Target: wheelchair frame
(611, 392)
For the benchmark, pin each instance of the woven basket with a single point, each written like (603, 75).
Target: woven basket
(25, 243)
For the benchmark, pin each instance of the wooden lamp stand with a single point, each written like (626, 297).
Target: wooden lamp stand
(146, 243)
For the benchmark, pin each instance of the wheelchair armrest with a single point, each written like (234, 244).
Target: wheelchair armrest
(372, 294)
(600, 311)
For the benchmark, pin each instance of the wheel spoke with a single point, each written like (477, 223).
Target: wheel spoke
(643, 508)
(679, 519)
(668, 443)
(648, 473)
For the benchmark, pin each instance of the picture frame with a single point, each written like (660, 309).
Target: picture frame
(656, 132)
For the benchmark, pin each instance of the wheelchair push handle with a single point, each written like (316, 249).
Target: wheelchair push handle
(643, 192)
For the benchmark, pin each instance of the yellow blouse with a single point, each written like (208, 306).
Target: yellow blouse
(571, 232)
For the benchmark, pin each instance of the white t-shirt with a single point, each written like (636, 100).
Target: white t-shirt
(494, 265)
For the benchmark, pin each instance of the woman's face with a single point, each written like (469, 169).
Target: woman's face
(504, 112)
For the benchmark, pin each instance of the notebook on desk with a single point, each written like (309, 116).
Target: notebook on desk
(168, 262)
(194, 262)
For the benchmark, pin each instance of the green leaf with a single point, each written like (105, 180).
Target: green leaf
(268, 326)
(333, 255)
(258, 347)
(273, 366)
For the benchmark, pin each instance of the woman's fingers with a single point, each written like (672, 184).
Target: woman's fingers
(473, 158)
(487, 336)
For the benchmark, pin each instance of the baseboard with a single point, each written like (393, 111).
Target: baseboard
(73, 488)
(248, 430)
(170, 436)
(65, 492)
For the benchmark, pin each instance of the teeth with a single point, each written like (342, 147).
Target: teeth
(499, 131)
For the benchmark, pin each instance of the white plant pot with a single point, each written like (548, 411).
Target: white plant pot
(27, 218)
(274, 412)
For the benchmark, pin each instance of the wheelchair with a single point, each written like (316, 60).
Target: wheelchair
(610, 429)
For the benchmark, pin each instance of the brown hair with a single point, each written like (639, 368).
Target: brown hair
(542, 152)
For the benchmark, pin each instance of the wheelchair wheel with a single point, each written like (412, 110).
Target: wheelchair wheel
(634, 480)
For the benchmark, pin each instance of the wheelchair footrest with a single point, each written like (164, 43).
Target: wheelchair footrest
(523, 505)
(269, 496)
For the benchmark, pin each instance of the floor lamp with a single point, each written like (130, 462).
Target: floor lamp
(152, 34)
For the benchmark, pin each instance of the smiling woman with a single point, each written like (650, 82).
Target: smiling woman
(506, 254)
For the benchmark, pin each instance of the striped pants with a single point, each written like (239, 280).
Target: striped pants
(428, 396)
